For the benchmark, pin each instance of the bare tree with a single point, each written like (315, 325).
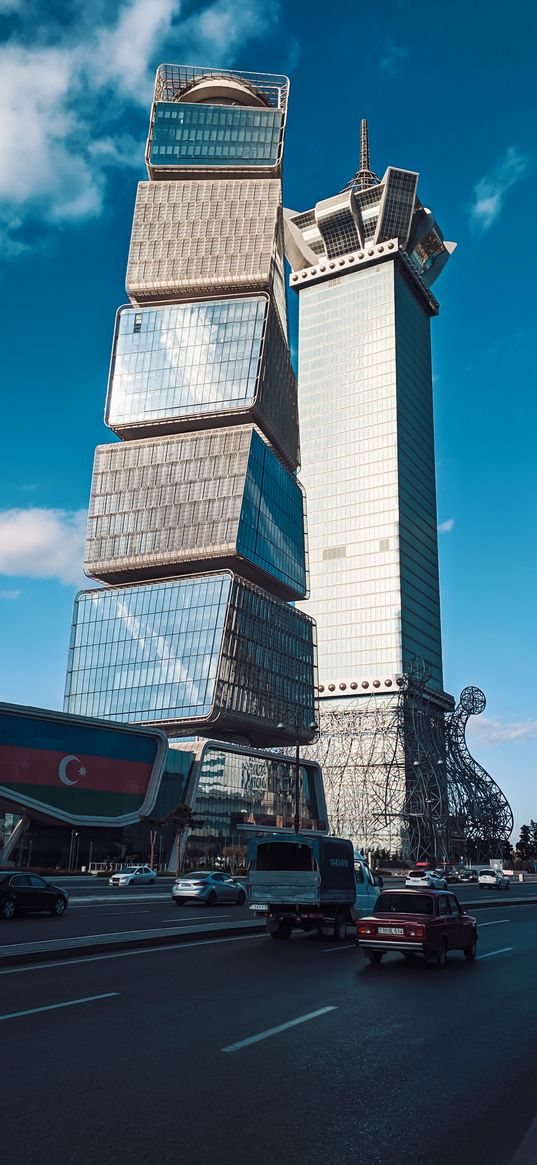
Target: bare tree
(183, 821)
(155, 825)
(235, 855)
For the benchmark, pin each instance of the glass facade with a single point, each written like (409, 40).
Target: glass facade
(149, 652)
(271, 526)
(189, 358)
(175, 367)
(368, 472)
(397, 205)
(418, 539)
(161, 505)
(349, 470)
(214, 135)
(191, 652)
(235, 792)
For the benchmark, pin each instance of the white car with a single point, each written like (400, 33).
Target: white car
(494, 879)
(432, 879)
(130, 875)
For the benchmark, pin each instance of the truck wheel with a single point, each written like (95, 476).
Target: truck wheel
(284, 929)
(340, 926)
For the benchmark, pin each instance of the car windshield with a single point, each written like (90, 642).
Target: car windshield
(417, 874)
(393, 903)
(488, 874)
(129, 870)
(197, 874)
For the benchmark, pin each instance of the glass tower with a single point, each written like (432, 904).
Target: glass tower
(196, 518)
(363, 263)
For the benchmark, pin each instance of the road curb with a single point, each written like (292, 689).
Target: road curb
(24, 953)
(493, 903)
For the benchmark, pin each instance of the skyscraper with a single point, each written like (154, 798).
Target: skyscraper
(196, 520)
(363, 264)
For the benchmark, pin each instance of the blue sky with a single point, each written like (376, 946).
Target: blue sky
(449, 90)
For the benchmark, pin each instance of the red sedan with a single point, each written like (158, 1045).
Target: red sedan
(417, 922)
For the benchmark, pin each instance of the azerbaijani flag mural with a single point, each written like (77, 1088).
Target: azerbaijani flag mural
(84, 772)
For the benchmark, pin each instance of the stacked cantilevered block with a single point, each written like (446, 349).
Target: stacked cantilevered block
(196, 521)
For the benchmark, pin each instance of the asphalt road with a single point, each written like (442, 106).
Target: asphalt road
(131, 912)
(145, 908)
(168, 1055)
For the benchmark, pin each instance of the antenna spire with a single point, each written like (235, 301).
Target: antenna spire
(364, 146)
(365, 176)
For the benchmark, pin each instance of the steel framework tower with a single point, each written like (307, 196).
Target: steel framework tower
(196, 520)
(363, 263)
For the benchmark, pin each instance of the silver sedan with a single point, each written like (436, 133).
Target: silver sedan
(207, 886)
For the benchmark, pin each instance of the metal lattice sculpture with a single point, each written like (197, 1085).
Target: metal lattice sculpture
(479, 811)
(399, 776)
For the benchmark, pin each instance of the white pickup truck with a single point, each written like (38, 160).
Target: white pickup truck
(304, 882)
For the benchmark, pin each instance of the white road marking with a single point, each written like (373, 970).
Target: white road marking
(57, 1006)
(489, 954)
(330, 950)
(195, 918)
(495, 923)
(274, 1031)
(526, 1153)
(126, 954)
(116, 913)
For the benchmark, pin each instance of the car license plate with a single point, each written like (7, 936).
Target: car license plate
(390, 930)
(259, 906)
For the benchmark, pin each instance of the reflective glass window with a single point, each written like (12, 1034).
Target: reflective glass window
(164, 668)
(186, 358)
(214, 135)
(237, 792)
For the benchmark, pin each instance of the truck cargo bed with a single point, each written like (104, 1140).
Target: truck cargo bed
(284, 887)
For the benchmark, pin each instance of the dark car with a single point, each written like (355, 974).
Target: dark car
(417, 922)
(467, 876)
(27, 892)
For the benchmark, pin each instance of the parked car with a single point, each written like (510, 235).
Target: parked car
(467, 876)
(20, 893)
(209, 886)
(132, 875)
(431, 879)
(417, 922)
(494, 879)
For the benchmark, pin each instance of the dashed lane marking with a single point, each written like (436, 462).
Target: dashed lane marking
(57, 1006)
(489, 954)
(274, 1031)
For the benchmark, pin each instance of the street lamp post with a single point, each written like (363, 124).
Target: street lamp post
(281, 728)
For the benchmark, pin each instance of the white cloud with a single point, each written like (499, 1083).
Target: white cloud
(447, 526)
(122, 53)
(393, 55)
(489, 731)
(71, 103)
(10, 596)
(490, 191)
(39, 543)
